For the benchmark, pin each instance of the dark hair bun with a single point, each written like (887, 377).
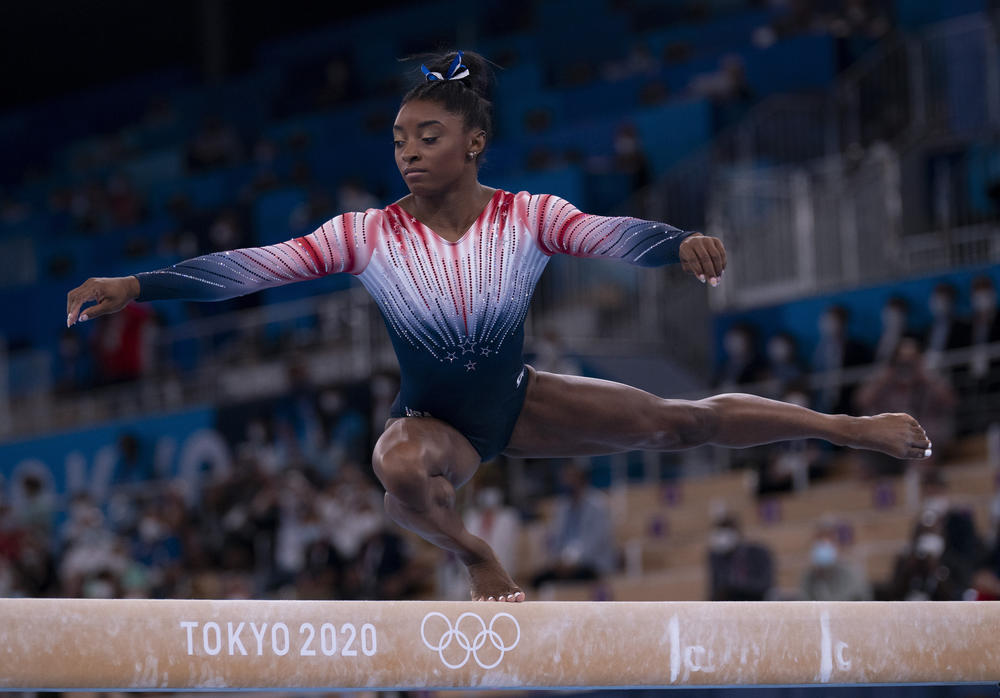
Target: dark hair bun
(467, 97)
(480, 78)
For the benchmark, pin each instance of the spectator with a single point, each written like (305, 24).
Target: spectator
(927, 570)
(296, 413)
(92, 558)
(837, 351)
(895, 321)
(958, 525)
(580, 539)
(738, 570)
(344, 429)
(783, 365)
(630, 158)
(135, 464)
(156, 556)
(123, 344)
(497, 524)
(946, 330)
(986, 580)
(351, 511)
(984, 330)
(740, 364)
(35, 507)
(906, 385)
(830, 577)
(300, 524)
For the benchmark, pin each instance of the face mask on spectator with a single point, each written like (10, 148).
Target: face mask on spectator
(824, 553)
(779, 351)
(984, 301)
(723, 539)
(150, 530)
(940, 305)
(930, 545)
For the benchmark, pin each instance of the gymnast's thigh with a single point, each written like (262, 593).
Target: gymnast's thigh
(431, 445)
(566, 416)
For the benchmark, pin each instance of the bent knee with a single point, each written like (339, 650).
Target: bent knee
(399, 463)
(687, 424)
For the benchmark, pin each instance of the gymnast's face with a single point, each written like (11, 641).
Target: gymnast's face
(432, 146)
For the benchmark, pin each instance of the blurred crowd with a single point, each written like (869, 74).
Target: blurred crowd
(254, 532)
(947, 558)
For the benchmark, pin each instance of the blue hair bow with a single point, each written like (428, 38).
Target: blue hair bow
(456, 71)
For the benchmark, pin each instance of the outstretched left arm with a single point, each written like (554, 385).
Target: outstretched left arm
(562, 228)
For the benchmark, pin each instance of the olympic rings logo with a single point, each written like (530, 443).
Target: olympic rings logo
(481, 633)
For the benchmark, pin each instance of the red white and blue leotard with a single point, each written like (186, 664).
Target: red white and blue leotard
(454, 310)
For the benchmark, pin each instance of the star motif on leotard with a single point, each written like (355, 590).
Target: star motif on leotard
(468, 346)
(470, 366)
(450, 356)
(484, 351)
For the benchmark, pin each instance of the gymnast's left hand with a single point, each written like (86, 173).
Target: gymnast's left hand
(705, 257)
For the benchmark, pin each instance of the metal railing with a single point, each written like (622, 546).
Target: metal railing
(819, 192)
(794, 231)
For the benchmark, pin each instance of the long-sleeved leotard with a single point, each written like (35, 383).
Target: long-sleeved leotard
(454, 310)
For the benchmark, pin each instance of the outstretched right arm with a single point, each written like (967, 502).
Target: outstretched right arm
(342, 244)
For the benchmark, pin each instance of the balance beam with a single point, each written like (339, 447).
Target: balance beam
(68, 644)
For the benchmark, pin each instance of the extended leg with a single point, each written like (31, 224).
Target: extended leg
(420, 462)
(741, 420)
(571, 415)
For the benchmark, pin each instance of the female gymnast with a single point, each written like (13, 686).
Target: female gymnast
(452, 266)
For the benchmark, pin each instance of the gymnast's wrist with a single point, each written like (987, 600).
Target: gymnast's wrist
(134, 289)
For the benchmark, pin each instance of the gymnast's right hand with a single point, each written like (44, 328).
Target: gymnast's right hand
(111, 295)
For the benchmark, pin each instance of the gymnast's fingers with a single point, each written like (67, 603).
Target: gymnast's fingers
(75, 299)
(707, 265)
(690, 259)
(713, 246)
(721, 252)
